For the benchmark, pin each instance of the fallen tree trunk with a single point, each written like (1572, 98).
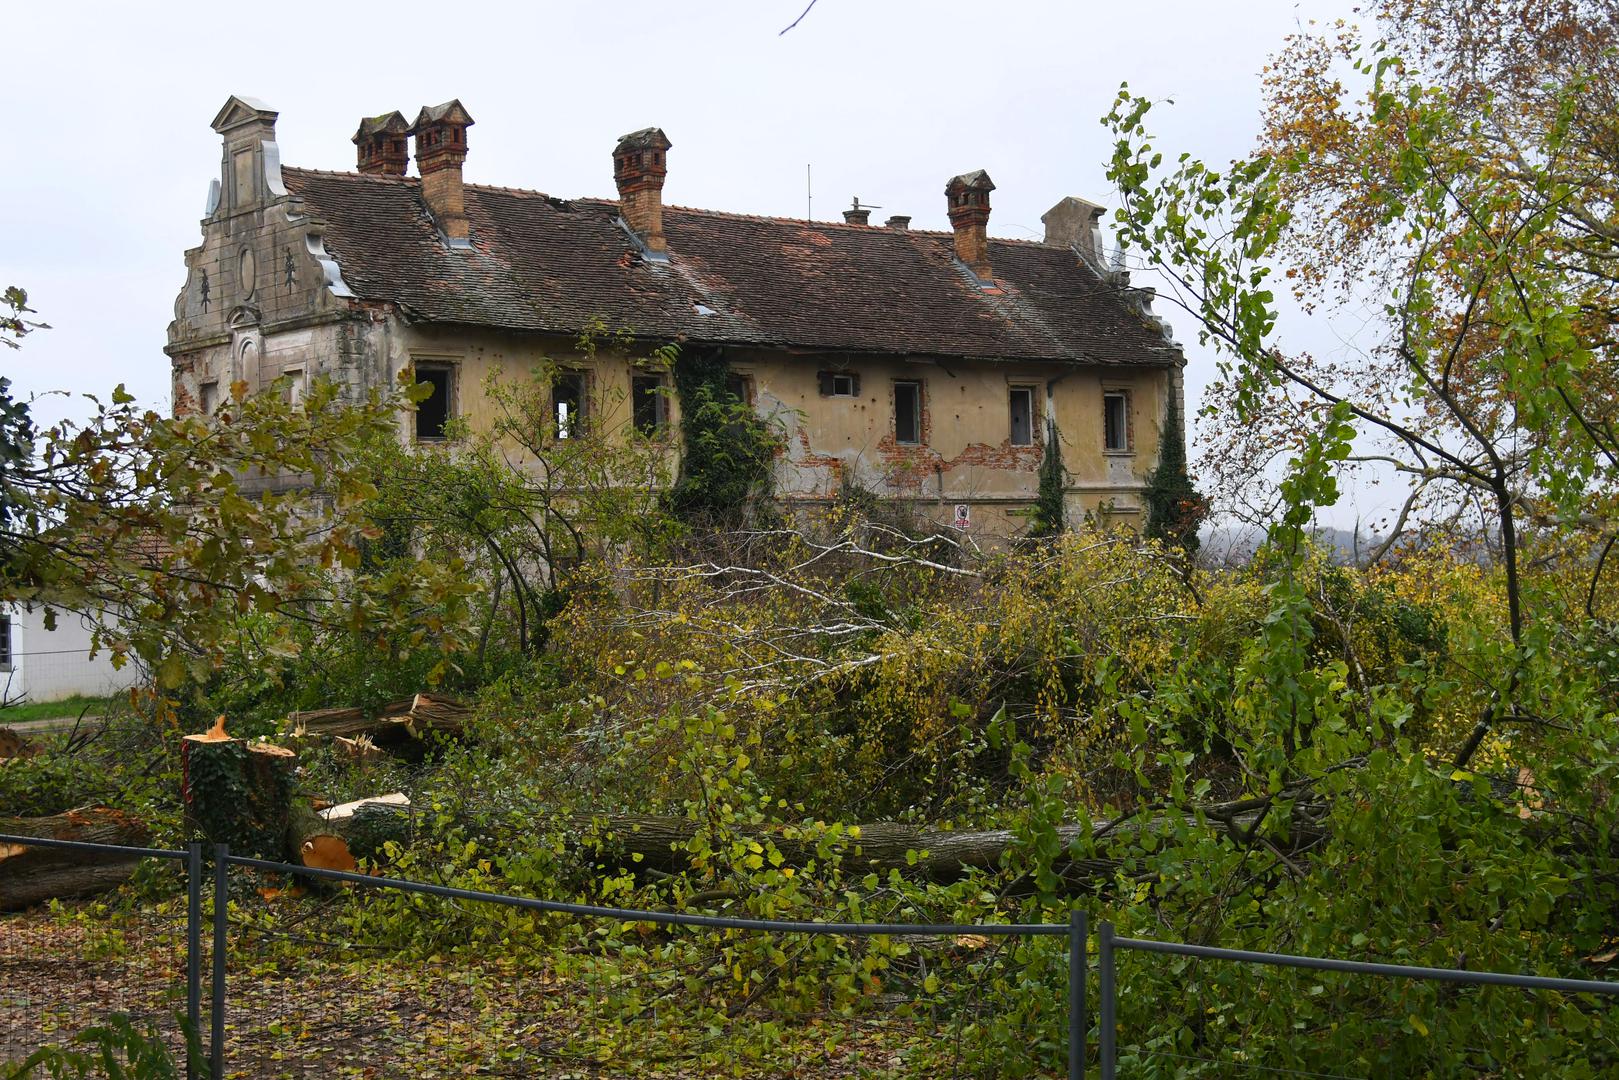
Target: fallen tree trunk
(334, 838)
(658, 843)
(13, 745)
(398, 727)
(30, 875)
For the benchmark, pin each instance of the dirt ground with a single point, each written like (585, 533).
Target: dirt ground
(334, 1013)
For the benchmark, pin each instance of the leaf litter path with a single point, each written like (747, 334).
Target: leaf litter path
(319, 1011)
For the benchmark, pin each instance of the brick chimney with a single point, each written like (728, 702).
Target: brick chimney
(968, 196)
(899, 221)
(1076, 224)
(441, 146)
(639, 167)
(857, 214)
(381, 145)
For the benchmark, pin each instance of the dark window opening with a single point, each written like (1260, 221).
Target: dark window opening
(739, 387)
(649, 404)
(908, 413)
(433, 413)
(1116, 421)
(1022, 416)
(840, 384)
(568, 404)
(5, 641)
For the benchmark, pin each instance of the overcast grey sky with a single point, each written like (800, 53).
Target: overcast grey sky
(108, 155)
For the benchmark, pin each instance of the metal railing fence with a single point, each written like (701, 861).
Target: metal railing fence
(192, 857)
(1075, 930)
(1108, 945)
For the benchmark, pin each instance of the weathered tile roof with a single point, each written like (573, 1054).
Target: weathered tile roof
(543, 264)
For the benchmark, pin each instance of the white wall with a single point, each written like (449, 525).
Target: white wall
(48, 665)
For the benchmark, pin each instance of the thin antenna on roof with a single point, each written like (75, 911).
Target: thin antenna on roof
(809, 196)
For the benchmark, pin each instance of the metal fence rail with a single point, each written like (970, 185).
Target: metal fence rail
(1075, 930)
(192, 857)
(1108, 944)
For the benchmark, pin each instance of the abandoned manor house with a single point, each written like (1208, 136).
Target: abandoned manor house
(928, 367)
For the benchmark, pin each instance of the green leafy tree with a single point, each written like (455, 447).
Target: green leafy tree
(168, 530)
(1479, 383)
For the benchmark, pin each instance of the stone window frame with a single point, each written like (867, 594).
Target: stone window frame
(579, 426)
(921, 411)
(1034, 417)
(664, 423)
(451, 366)
(1128, 442)
(298, 387)
(827, 382)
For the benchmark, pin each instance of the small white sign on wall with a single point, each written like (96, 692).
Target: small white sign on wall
(964, 516)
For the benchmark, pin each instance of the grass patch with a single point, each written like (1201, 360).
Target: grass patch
(68, 708)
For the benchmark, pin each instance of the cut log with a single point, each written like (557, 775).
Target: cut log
(336, 838)
(315, 842)
(30, 875)
(633, 841)
(344, 811)
(13, 745)
(398, 727)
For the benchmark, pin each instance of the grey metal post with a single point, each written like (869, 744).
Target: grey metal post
(1077, 931)
(193, 956)
(216, 1042)
(1105, 1021)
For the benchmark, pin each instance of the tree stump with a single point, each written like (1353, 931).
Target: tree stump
(236, 792)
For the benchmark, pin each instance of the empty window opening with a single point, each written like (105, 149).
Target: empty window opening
(568, 404)
(208, 397)
(433, 413)
(1116, 421)
(295, 386)
(5, 642)
(1022, 416)
(649, 403)
(840, 384)
(908, 413)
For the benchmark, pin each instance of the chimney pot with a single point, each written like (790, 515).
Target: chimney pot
(440, 132)
(899, 221)
(639, 167)
(381, 145)
(968, 200)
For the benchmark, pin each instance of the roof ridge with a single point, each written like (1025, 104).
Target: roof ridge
(371, 178)
(735, 215)
(818, 224)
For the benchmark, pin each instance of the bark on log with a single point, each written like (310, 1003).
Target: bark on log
(31, 875)
(398, 727)
(13, 745)
(333, 839)
(882, 846)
